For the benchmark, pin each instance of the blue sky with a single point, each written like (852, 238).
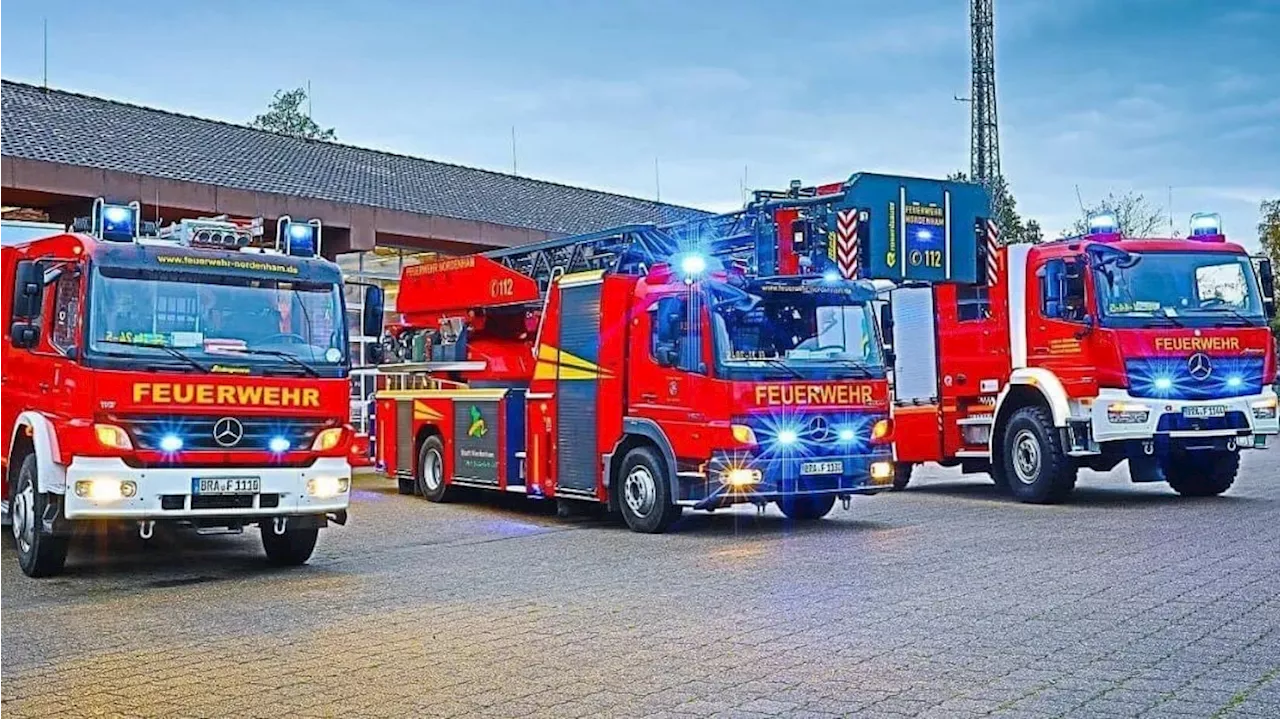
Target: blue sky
(1142, 95)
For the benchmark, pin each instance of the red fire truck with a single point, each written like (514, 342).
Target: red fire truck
(1087, 352)
(729, 359)
(180, 378)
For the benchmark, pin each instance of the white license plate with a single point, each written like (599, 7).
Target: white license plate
(822, 468)
(1205, 410)
(226, 485)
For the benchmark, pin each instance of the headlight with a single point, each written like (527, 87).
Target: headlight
(1265, 409)
(742, 434)
(112, 436)
(326, 487)
(881, 472)
(881, 430)
(740, 477)
(1128, 413)
(327, 439)
(105, 490)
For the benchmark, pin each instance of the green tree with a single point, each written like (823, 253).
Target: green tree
(1013, 229)
(1269, 238)
(285, 116)
(1137, 217)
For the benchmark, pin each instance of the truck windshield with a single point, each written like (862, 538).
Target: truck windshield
(1191, 288)
(247, 323)
(794, 330)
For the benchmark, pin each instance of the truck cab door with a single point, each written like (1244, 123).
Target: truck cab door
(669, 380)
(1057, 316)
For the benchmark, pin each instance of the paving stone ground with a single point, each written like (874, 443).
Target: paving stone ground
(946, 600)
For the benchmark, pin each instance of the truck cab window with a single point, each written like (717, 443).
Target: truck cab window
(65, 317)
(973, 303)
(672, 343)
(1062, 294)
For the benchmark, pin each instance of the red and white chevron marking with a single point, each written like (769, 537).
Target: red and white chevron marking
(847, 243)
(993, 244)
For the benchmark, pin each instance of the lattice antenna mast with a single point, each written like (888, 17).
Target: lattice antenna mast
(984, 147)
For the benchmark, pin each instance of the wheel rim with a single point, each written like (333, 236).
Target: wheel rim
(433, 471)
(640, 491)
(1026, 456)
(24, 526)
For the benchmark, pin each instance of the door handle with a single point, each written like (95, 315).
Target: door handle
(697, 416)
(649, 396)
(44, 386)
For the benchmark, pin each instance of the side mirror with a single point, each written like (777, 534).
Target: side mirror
(1267, 278)
(372, 306)
(1087, 329)
(886, 324)
(28, 290)
(24, 335)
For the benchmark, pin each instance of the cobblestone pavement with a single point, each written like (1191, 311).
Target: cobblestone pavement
(943, 601)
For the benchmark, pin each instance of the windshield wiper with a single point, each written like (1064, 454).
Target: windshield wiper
(173, 352)
(277, 353)
(1168, 318)
(1247, 322)
(861, 370)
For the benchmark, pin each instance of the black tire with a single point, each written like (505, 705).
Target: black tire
(406, 486)
(1202, 474)
(39, 554)
(430, 478)
(290, 549)
(807, 507)
(902, 475)
(1037, 469)
(645, 492)
(999, 475)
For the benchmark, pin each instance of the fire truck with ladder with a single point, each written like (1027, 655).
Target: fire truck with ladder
(181, 377)
(1087, 352)
(729, 359)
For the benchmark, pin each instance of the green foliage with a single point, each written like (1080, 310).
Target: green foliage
(1013, 230)
(1269, 238)
(1137, 217)
(285, 116)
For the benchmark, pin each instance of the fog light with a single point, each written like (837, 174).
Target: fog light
(740, 477)
(1265, 409)
(105, 490)
(881, 472)
(1128, 413)
(325, 487)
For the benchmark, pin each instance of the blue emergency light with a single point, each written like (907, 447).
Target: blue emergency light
(1206, 225)
(1103, 223)
(116, 223)
(299, 239)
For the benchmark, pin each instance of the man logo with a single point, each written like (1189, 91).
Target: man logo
(228, 432)
(1199, 366)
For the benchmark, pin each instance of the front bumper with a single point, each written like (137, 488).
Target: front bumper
(785, 476)
(1166, 418)
(166, 493)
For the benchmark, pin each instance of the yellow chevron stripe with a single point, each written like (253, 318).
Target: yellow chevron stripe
(555, 355)
(422, 411)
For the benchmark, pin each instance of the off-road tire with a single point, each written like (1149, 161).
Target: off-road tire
(1202, 474)
(290, 549)
(430, 479)
(645, 492)
(902, 475)
(39, 554)
(807, 507)
(1036, 467)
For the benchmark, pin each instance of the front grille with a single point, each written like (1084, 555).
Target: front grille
(1171, 378)
(196, 431)
(818, 434)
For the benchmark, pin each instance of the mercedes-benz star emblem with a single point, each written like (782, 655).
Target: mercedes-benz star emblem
(228, 431)
(818, 429)
(1199, 366)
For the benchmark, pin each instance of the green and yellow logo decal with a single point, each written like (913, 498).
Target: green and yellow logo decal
(477, 428)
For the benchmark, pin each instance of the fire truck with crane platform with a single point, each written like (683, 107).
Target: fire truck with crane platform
(729, 359)
(1087, 352)
(174, 375)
